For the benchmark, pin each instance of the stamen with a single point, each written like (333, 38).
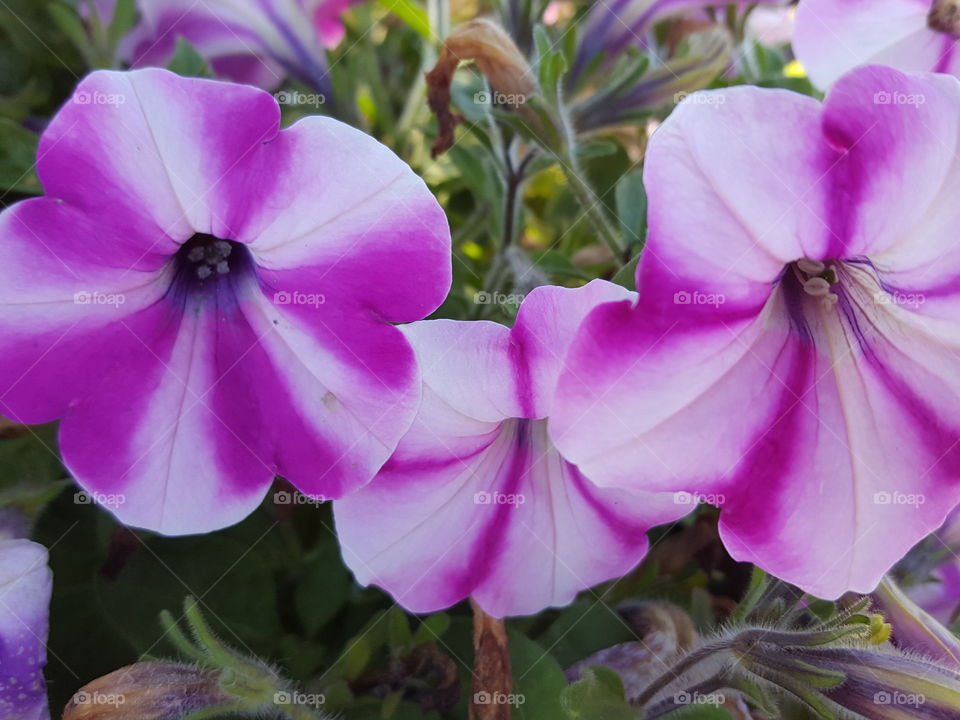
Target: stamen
(209, 255)
(816, 278)
(811, 267)
(203, 260)
(817, 286)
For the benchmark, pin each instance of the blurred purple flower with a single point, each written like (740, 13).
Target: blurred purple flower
(259, 42)
(914, 629)
(835, 36)
(940, 595)
(206, 300)
(25, 587)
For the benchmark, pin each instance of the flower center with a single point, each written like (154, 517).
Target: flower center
(205, 255)
(204, 262)
(944, 17)
(817, 279)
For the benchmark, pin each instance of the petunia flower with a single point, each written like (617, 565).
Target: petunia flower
(205, 300)
(834, 36)
(793, 354)
(259, 42)
(477, 501)
(25, 586)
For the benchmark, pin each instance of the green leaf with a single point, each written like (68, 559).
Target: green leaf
(30, 469)
(398, 633)
(557, 265)
(124, 18)
(411, 13)
(432, 628)
(356, 657)
(598, 694)
(324, 587)
(631, 200)
(551, 63)
(627, 275)
(187, 61)
(67, 20)
(538, 680)
(582, 629)
(231, 572)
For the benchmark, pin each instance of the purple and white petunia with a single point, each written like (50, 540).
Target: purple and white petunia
(834, 36)
(259, 42)
(25, 586)
(477, 501)
(206, 300)
(794, 355)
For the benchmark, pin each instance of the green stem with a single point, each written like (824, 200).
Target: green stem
(670, 705)
(591, 204)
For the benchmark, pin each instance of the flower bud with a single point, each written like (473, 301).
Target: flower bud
(150, 691)
(914, 629)
(886, 685)
(877, 683)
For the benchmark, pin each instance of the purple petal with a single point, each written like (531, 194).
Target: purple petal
(833, 37)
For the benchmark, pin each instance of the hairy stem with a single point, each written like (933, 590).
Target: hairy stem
(676, 672)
